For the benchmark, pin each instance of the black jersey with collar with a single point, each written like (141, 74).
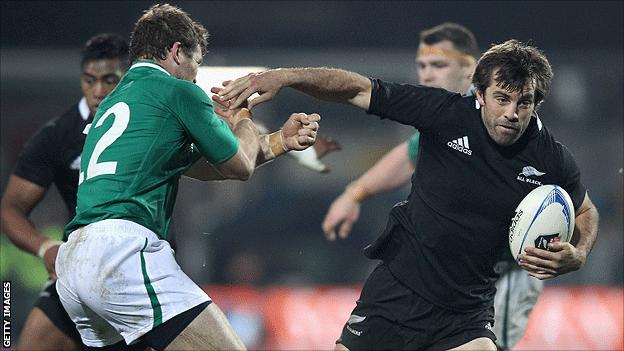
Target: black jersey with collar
(444, 240)
(52, 155)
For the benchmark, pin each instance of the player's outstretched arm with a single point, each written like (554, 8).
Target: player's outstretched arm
(391, 172)
(19, 198)
(564, 257)
(324, 83)
(309, 157)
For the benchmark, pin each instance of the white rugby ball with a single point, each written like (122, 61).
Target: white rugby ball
(544, 214)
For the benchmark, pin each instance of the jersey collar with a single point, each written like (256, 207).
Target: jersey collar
(149, 64)
(83, 108)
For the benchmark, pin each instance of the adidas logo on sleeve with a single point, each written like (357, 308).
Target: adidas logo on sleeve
(461, 145)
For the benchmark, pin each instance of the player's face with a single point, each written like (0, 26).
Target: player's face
(98, 79)
(189, 65)
(505, 114)
(441, 71)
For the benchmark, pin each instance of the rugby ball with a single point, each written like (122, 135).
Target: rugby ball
(544, 214)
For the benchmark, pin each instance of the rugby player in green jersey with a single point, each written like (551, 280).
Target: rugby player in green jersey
(52, 156)
(117, 276)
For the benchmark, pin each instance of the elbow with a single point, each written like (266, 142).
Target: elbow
(5, 213)
(245, 176)
(245, 172)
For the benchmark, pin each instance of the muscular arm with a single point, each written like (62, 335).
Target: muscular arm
(298, 133)
(241, 165)
(585, 227)
(19, 199)
(331, 85)
(391, 172)
(324, 83)
(203, 170)
(565, 257)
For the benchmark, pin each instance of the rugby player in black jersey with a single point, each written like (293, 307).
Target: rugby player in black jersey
(52, 156)
(435, 286)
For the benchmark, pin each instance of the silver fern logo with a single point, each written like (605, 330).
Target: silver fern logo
(355, 319)
(76, 163)
(529, 171)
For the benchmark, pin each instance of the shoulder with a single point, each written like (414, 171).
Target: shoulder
(59, 126)
(555, 151)
(546, 137)
(185, 92)
(190, 88)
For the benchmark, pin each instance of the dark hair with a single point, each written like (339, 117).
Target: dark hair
(160, 27)
(462, 38)
(105, 46)
(518, 64)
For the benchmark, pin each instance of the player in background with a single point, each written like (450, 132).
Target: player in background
(52, 156)
(446, 59)
(435, 286)
(117, 277)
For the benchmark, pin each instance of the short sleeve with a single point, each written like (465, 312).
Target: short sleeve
(36, 161)
(210, 134)
(414, 105)
(412, 147)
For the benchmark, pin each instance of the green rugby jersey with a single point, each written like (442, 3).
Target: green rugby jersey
(146, 133)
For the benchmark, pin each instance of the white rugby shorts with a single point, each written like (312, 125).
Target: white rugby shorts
(118, 280)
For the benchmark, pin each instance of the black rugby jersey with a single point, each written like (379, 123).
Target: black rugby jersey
(52, 155)
(444, 240)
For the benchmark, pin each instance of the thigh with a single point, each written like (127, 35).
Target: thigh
(40, 333)
(462, 330)
(373, 323)
(478, 344)
(54, 319)
(210, 330)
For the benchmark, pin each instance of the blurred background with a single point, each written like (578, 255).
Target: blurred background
(259, 244)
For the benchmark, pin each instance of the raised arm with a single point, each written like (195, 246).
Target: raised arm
(324, 83)
(565, 257)
(391, 172)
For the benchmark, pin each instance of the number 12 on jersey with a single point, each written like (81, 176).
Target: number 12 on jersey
(121, 115)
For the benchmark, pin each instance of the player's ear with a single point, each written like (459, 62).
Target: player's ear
(176, 51)
(480, 97)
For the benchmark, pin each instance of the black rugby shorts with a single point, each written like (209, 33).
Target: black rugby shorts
(391, 316)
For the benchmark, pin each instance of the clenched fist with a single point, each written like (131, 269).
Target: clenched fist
(299, 131)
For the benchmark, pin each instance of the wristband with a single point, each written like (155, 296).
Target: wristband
(47, 245)
(265, 146)
(284, 147)
(357, 192)
(276, 140)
